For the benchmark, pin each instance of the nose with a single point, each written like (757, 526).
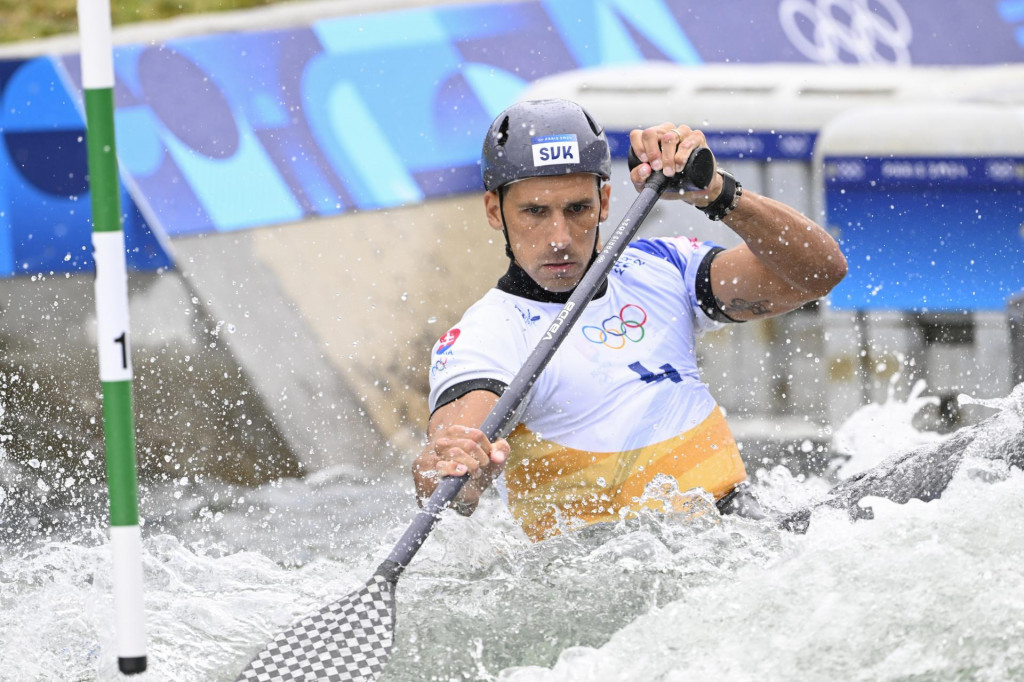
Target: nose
(560, 237)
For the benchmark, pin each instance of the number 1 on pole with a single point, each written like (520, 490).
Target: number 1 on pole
(113, 337)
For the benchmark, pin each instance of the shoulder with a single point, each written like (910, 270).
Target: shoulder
(685, 254)
(486, 345)
(671, 249)
(488, 319)
(672, 256)
(495, 307)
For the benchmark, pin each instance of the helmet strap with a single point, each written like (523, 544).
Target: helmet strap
(504, 226)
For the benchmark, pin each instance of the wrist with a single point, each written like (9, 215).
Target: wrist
(727, 199)
(466, 501)
(710, 196)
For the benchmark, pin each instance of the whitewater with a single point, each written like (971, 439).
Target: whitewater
(923, 591)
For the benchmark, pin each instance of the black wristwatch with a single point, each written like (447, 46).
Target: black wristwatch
(727, 200)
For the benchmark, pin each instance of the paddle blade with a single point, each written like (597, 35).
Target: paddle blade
(346, 641)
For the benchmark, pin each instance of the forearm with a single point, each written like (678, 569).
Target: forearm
(786, 259)
(789, 244)
(454, 449)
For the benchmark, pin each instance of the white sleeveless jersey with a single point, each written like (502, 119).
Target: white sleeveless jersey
(625, 377)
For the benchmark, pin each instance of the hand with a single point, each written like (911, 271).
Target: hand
(454, 450)
(667, 147)
(462, 449)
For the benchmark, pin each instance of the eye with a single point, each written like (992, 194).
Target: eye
(578, 208)
(535, 210)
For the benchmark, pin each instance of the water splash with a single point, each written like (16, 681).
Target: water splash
(1013, 403)
(877, 431)
(924, 591)
(662, 495)
(203, 612)
(985, 458)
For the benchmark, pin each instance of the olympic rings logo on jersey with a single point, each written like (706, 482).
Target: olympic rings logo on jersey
(439, 366)
(613, 333)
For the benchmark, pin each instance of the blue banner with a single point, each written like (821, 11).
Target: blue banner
(927, 234)
(44, 192)
(740, 144)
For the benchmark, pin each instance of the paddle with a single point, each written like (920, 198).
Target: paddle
(351, 639)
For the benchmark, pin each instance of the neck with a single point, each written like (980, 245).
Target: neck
(517, 282)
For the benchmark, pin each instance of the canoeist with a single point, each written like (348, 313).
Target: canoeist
(622, 401)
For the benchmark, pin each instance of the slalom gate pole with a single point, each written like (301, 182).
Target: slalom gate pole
(112, 338)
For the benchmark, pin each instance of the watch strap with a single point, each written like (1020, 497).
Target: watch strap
(727, 199)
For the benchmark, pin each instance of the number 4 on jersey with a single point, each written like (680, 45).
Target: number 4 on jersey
(649, 377)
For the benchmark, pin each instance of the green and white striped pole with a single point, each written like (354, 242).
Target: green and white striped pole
(112, 333)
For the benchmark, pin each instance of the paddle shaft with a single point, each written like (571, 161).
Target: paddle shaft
(697, 174)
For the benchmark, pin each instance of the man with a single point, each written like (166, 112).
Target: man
(621, 404)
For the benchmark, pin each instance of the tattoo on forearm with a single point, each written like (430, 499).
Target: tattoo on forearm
(739, 305)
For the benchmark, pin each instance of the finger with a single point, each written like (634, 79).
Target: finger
(452, 469)
(475, 435)
(458, 463)
(499, 451)
(670, 140)
(458, 448)
(643, 141)
(689, 141)
(637, 143)
(638, 176)
(650, 139)
(446, 445)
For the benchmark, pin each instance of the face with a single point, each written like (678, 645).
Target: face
(552, 223)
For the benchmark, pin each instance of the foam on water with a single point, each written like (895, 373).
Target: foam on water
(924, 591)
(202, 612)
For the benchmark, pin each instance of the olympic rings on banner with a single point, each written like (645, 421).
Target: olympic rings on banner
(836, 31)
(614, 331)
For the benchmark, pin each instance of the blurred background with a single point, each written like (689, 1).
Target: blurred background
(303, 211)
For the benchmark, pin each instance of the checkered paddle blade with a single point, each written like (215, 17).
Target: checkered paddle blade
(347, 641)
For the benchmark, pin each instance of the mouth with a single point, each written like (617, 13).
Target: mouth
(560, 267)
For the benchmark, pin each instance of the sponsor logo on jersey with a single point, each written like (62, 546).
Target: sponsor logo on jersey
(549, 150)
(616, 330)
(559, 319)
(447, 341)
(528, 317)
(624, 263)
